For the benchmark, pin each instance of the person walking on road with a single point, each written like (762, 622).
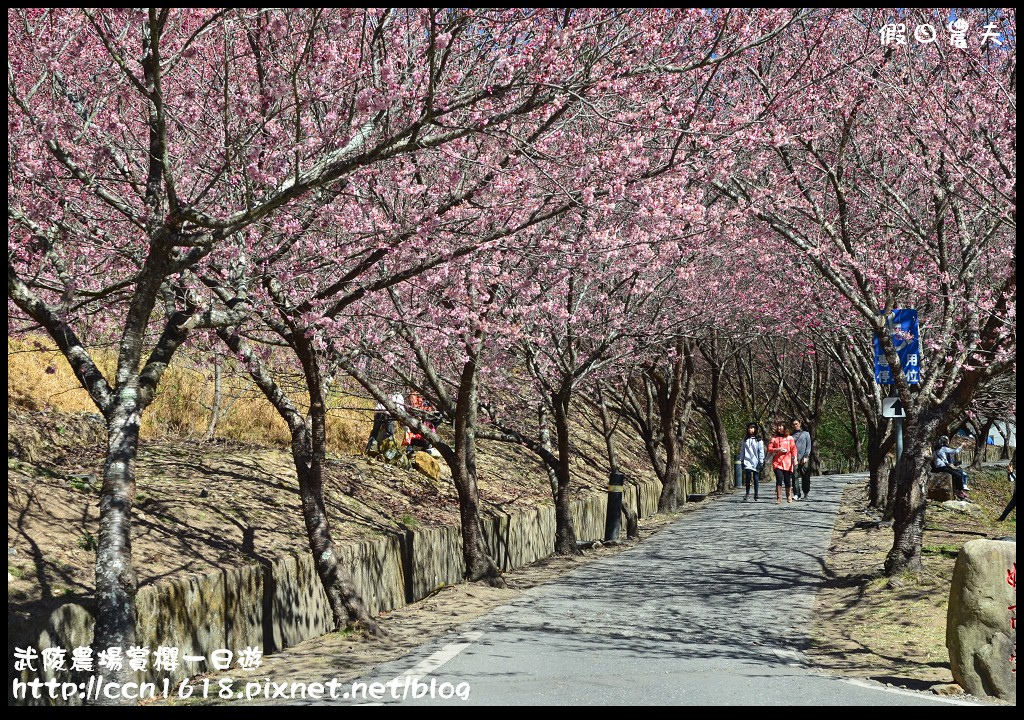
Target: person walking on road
(752, 458)
(802, 478)
(783, 451)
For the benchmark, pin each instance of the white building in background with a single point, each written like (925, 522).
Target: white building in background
(1003, 432)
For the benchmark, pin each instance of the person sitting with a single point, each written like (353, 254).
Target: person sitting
(380, 418)
(420, 409)
(383, 422)
(947, 460)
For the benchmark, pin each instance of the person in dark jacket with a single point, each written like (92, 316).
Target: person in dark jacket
(1011, 476)
(802, 471)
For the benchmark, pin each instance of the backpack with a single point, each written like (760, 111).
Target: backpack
(390, 448)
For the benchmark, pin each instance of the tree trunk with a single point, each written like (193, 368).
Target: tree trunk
(347, 607)
(606, 432)
(565, 531)
(820, 384)
(116, 581)
(632, 522)
(122, 407)
(639, 413)
(851, 406)
(651, 446)
(671, 491)
(908, 518)
(309, 442)
(218, 395)
(460, 453)
(309, 446)
(981, 444)
(479, 563)
(545, 442)
(880, 442)
(718, 432)
(892, 489)
(725, 469)
(670, 391)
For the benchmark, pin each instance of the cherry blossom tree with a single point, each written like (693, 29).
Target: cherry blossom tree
(994, 404)
(96, 243)
(156, 154)
(144, 142)
(898, 188)
(598, 309)
(696, 282)
(451, 333)
(657, 401)
(549, 169)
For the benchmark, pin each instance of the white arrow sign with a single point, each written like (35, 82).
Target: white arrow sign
(893, 408)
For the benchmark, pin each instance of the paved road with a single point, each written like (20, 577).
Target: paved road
(713, 610)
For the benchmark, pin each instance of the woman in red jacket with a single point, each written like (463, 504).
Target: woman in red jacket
(783, 449)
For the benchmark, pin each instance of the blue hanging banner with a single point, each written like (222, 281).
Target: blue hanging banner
(902, 328)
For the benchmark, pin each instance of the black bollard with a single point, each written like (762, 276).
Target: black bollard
(613, 518)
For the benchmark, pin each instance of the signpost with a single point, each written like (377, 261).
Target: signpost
(906, 338)
(893, 408)
(902, 328)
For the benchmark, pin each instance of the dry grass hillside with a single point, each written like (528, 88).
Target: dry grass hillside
(40, 379)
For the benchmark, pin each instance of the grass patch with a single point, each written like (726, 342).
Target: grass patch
(83, 484)
(950, 551)
(899, 626)
(87, 542)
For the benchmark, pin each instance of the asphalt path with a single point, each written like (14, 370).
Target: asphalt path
(714, 609)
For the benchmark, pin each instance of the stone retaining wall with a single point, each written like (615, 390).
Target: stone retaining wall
(282, 604)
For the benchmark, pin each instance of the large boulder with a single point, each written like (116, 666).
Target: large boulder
(964, 507)
(427, 464)
(980, 622)
(940, 487)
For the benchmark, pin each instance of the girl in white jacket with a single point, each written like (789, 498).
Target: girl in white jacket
(752, 457)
